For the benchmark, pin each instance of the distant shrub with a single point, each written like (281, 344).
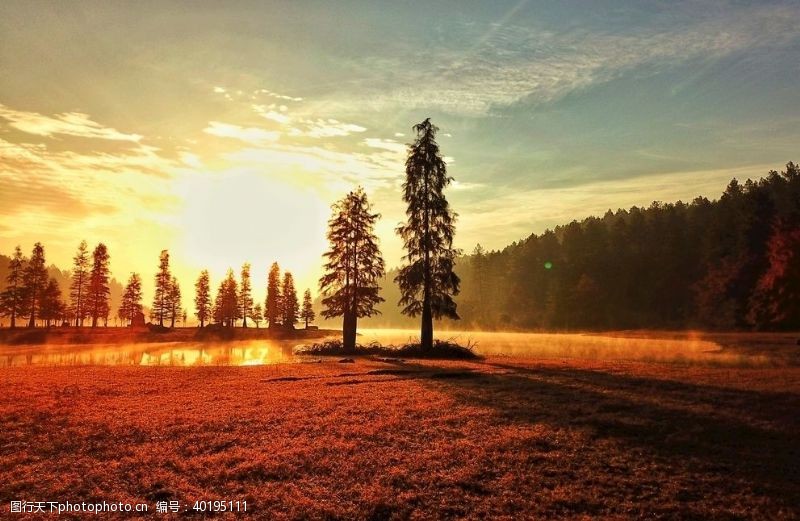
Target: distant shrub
(442, 349)
(155, 328)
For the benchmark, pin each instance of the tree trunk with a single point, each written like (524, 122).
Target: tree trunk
(349, 325)
(32, 321)
(426, 333)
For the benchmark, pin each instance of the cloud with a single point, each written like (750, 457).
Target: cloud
(535, 65)
(190, 159)
(67, 123)
(253, 135)
(267, 112)
(305, 127)
(386, 144)
(321, 128)
(329, 170)
(278, 96)
(58, 196)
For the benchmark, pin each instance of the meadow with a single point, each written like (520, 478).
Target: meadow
(507, 437)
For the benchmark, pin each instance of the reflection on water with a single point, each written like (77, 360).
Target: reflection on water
(255, 352)
(260, 352)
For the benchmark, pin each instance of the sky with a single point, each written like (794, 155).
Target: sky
(223, 131)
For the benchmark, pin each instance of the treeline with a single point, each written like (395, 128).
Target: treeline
(233, 302)
(33, 296)
(729, 263)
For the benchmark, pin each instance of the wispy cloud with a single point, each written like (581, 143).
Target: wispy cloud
(279, 96)
(254, 135)
(68, 123)
(386, 144)
(325, 128)
(510, 64)
(269, 112)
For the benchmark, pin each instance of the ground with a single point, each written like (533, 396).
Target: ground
(503, 438)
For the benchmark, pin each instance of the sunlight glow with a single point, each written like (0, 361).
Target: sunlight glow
(241, 216)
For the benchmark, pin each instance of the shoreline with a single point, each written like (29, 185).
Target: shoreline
(124, 335)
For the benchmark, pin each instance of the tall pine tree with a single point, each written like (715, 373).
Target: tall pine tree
(427, 281)
(13, 300)
(35, 280)
(99, 291)
(272, 309)
(245, 295)
(160, 307)
(289, 305)
(202, 298)
(79, 284)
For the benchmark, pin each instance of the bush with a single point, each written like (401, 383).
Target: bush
(442, 349)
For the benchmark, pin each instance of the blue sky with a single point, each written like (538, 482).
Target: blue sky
(190, 125)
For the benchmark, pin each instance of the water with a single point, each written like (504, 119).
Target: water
(261, 352)
(251, 352)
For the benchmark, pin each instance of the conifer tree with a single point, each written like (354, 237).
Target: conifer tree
(289, 305)
(99, 291)
(258, 314)
(202, 298)
(353, 265)
(245, 295)
(13, 300)
(160, 308)
(478, 262)
(131, 299)
(174, 301)
(272, 309)
(427, 281)
(307, 313)
(80, 283)
(52, 308)
(226, 306)
(35, 280)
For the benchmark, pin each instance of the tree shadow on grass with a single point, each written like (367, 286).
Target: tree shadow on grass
(728, 434)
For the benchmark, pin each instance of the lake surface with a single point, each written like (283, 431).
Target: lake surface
(261, 352)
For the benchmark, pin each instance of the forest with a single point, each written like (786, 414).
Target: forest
(731, 263)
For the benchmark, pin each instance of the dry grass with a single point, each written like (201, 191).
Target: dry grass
(502, 438)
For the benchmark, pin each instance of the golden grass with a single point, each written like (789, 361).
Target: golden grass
(504, 438)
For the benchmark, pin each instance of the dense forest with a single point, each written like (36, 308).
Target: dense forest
(729, 263)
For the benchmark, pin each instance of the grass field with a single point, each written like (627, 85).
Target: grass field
(504, 438)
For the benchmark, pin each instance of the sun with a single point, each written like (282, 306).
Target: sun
(238, 216)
